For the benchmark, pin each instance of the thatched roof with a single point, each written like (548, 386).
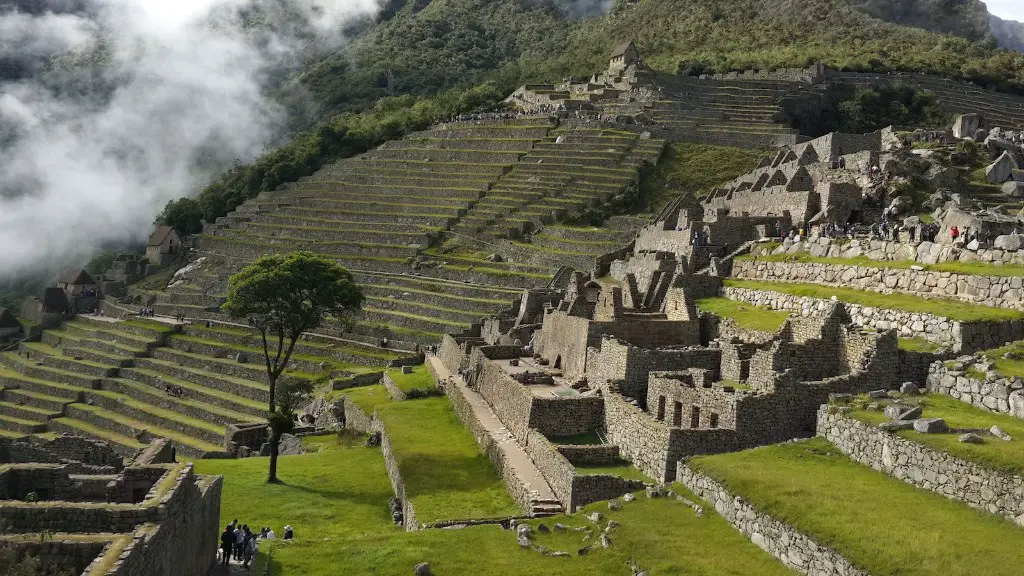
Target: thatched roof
(159, 235)
(77, 277)
(622, 48)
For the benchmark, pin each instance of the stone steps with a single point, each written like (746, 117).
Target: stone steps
(44, 402)
(20, 426)
(126, 446)
(130, 427)
(27, 412)
(68, 382)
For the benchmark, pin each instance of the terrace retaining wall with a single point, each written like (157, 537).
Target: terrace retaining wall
(996, 393)
(959, 336)
(794, 549)
(916, 464)
(999, 291)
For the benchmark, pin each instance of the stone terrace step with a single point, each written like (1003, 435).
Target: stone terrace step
(412, 321)
(236, 380)
(202, 409)
(127, 446)
(61, 380)
(27, 412)
(28, 398)
(53, 358)
(221, 401)
(128, 426)
(20, 425)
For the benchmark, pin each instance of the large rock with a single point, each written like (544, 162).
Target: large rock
(1008, 242)
(940, 177)
(971, 438)
(422, 569)
(973, 245)
(1013, 188)
(966, 125)
(997, 146)
(931, 425)
(901, 205)
(1001, 170)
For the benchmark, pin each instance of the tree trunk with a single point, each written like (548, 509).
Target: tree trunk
(275, 439)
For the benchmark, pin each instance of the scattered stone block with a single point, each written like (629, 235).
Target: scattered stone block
(998, 433)
(406, 369)
(543, 528)
(605, 541)
(1008, 242)
(839, 398)
(595, 517)
(614, 505)
(422, 569)
(895, 426)
(971, 438)
(1001, 170)
(878, 394)
(931, 425)
(628, 497)
(560, 527)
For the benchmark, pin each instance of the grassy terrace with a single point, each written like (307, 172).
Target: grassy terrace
(917, 345)
(337, 501)
(446, 476)
(952, 309)
(327, 349)
(257, 354)
(622, 468)
(420, 379)
(881, 524)
(994, 453)
(968, 268)
(1005, 366)
(745, 315)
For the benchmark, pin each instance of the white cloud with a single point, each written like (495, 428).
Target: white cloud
(1007, 9)
(97, 169)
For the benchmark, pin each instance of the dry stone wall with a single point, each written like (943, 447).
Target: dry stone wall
(794, 549)
(996, 392)
(999, 291)
(959, 336)
(922, 252)
(916, 464)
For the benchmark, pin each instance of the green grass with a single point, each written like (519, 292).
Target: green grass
(368, 398)
(446, 477)
(918, 345)
(966, 268)
(584, 439)
(881, 524)
(746, 315)
(695, 168)
(1005, 366)
(420, 379)
(952, 309)
(622, 468)
(994, 453)
(337, 501)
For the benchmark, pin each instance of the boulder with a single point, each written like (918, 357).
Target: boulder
(1017, 404)
(940, 177)
(900, 412)
(980, 134)
(894, 426)
(595, 517)
(543, 528)
(936, 200)
(628, 497)
(878, 393)
(996, 146)
(614, 505)
(966, 125)
(901, 205)
(422, 569)
(973, 245)
(930, 425)
(1001, 170)
(959, 158)
(1013, 188)
(290, 445)
(971, 438)
(1008, 242)
(910, 389)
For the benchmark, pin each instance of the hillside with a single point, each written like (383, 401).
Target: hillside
(1009, 33)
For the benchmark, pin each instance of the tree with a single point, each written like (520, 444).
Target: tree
(184, 215)
(283, 296)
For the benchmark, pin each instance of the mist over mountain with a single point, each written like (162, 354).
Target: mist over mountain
(1008, 33)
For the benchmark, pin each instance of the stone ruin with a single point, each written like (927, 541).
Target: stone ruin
(73, 503)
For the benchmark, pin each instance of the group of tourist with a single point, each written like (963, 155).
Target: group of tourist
(146, 313)
(699, 237)
(239, 542)
(966, 236)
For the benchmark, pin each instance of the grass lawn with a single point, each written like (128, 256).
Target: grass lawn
(420, 379)
(695, 168)
(368, 398)
(968, 268)
(917, 345)
(882, 525)
(337, 500)
(446, 476)
(746, 315)
(952, 309)
(1005, 366)
(621, 468)
(994, 453)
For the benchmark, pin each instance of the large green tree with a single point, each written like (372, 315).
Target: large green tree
(184, 215)
(283, 296)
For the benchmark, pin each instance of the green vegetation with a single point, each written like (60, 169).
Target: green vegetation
(862, 109)
(881, 524)
(746, 315)
(917, 345)
(952, 309)
(337, 501)
(694, 168)
(994, 453)
(967, 268)
(368, 398)
(446, 477)
(420, 379)
(1008, 367)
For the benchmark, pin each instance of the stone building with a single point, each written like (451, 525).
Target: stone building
(9, 325)
(623, 56)
(77, 283)
(47, 310)
(164, 246)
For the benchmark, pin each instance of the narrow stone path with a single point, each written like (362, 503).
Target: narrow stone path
(235, 569)
(521, 463)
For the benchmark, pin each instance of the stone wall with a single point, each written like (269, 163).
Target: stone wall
(592, 455)
(46, 481)
(920, 252)
(913, 463)
(996, 392)
(959, 336)
(397, 485)
(794, 549)
(1000, 291)
(641, 439)
(628, 366)
(65, 552)
(81, 455)
(566, 416)
(511, 402)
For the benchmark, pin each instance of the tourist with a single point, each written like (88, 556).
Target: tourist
(911, 232)
(239, 539)
(227, 543)
(954, 233)
(250, 547)
(289, 532)
(270, 533)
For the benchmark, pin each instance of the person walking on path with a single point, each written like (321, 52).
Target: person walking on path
(227, 543)
(239, 540)
(249, 546)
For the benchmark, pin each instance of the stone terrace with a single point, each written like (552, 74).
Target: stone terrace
(108, 380)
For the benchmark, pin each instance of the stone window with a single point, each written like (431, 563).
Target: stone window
(661, 407)
(713, 420)
(695, 417)
(677, 414)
